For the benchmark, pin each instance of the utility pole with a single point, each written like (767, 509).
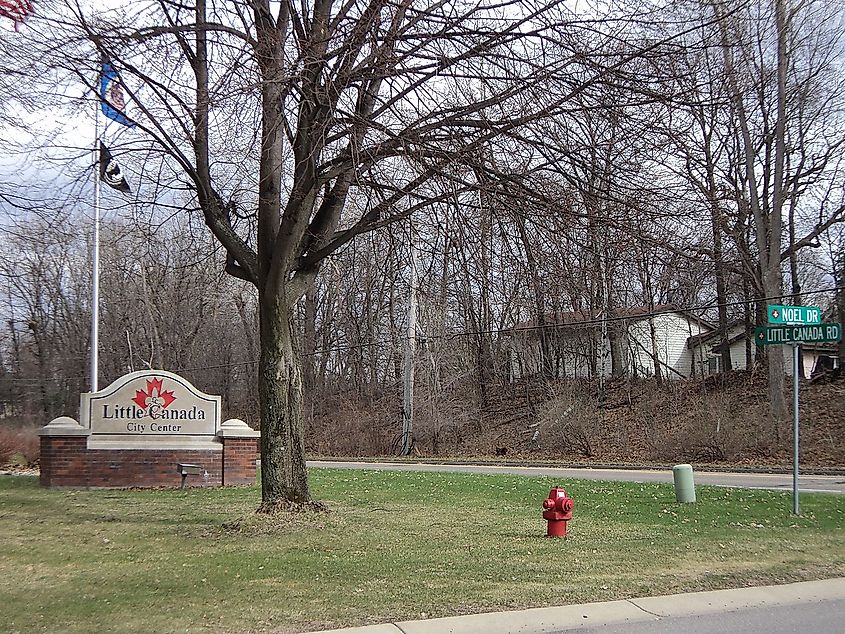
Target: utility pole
(410, 351)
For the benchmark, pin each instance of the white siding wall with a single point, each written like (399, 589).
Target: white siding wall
(808, 360)
(671, 333)
(574, 364)
(572, 350)
(710, 362)
(738, 357)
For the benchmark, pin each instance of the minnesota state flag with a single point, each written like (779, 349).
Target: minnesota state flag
(111, 96)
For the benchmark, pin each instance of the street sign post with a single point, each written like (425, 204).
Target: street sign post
(783, 334)
(798, 315)
(796, 325)
(796, 507)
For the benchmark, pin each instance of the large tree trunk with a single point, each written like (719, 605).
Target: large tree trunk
(617, 358)
(283, 476)
(711, 190)
(720, 275)
(309, 362)
(655, 350)
(772, 277)
(795, 283)
(773, 287)
(767, 211)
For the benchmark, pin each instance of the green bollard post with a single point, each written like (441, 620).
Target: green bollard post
(684, 484)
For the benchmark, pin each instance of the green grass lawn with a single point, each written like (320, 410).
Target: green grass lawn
(396, 546)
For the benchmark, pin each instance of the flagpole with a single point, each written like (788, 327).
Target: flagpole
(110, 101)
(95, 259)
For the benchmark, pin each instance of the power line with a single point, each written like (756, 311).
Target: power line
(468, 333)
(644, 315)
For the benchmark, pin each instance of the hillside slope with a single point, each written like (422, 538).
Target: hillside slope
(724, 420)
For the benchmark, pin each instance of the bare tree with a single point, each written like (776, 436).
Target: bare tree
(347, 97)
(291, 129)
(770, 73)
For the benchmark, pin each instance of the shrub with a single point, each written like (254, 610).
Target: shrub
(8, 445)
(19, 446)
(351, 428)
(570, 422)
(29, 445)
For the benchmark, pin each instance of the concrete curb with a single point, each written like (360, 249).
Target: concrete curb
(776, 469)
(569, 617)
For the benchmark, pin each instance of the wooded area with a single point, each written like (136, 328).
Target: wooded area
(527, 161)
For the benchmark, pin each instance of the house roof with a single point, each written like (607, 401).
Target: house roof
(704, 338)
(630, 313)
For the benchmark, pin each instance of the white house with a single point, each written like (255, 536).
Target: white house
(638, 341)
(634, 340)
(707, 350)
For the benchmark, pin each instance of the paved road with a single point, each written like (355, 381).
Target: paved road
(783, 482)
(809, 606)
(824, 617)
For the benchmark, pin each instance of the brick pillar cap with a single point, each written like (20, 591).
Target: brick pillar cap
(236, 428)
(64, 426)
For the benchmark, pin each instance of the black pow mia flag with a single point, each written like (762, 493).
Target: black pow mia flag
(110, 172)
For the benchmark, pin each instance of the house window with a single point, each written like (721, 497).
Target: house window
(714, 365)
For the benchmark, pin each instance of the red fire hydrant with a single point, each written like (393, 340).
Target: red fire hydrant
(558, 511)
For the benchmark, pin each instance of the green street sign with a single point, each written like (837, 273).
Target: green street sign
(780, 335)
(799, 315)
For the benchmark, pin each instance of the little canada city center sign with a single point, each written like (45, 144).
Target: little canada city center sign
(150, 405)
(148, 429)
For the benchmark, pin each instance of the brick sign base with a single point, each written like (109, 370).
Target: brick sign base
(67, 460)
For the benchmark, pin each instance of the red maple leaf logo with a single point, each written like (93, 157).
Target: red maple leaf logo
(153, 391)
